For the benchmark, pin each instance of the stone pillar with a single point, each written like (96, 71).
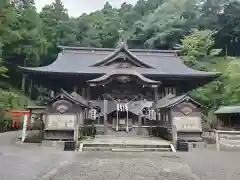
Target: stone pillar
(105, 102)
(24, 130)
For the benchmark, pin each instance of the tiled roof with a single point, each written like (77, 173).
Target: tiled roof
(81, 60)
(228, 110)
(172, 100)
(74, 97)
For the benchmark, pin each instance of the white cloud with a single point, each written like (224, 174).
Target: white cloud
(77, 7)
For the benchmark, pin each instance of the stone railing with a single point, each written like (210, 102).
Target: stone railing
(227, 140)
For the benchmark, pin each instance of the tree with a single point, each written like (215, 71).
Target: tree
(58, 28)
(197, 48)
(228, 33)
(166, 25)
(209, 13)
(198, 52)
(7, 17)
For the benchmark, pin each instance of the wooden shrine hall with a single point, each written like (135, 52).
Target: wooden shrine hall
(121, 84)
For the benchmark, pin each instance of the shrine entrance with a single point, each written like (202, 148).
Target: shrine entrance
(123, 88)
(122, 124)
(121, 121)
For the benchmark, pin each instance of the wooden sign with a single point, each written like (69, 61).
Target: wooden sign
(187, 123)
(61, 121)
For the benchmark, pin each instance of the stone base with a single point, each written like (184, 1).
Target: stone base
(196, 145)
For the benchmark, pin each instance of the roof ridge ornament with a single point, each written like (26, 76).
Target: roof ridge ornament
(122, 42)
(122, 45)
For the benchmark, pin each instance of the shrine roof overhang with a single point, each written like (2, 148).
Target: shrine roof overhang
(124, 73)
(228, 110)
(172, 100)
(83, 61)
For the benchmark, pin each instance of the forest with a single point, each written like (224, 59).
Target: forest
(207, 33)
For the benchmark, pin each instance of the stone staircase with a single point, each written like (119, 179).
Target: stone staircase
(125, 147)
(126, 144)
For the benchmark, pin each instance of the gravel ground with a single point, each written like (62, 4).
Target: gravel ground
(123, 166)
(32, 162)
(213, 165)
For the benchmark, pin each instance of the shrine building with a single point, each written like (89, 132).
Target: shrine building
(121, 84)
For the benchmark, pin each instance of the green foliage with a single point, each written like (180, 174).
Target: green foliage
(197, 48)
(198, 44)
(166, 25)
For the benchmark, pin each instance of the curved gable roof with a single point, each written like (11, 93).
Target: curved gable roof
(125, 54)
(172, 100)
(74, 60)
(124, 72)
(75, 98)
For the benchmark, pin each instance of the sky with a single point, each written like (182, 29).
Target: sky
(77, 7)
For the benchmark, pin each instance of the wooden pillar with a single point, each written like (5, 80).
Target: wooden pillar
(30, 88)
(76, 128)
(83, 93)
(127, 129)
(156, 97)
(139, 124)
(117, 123)
(105, 102)
(52, 94)
(88, 93)
(75, 89)
(140, 117)
(229, 121)
(23, 83)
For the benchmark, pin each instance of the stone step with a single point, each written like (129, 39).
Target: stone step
(141, 150)
(127, 149)
(126, 145)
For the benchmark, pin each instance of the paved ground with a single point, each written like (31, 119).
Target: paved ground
(31, 162)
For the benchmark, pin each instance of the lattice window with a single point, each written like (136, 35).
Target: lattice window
(170, 90)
